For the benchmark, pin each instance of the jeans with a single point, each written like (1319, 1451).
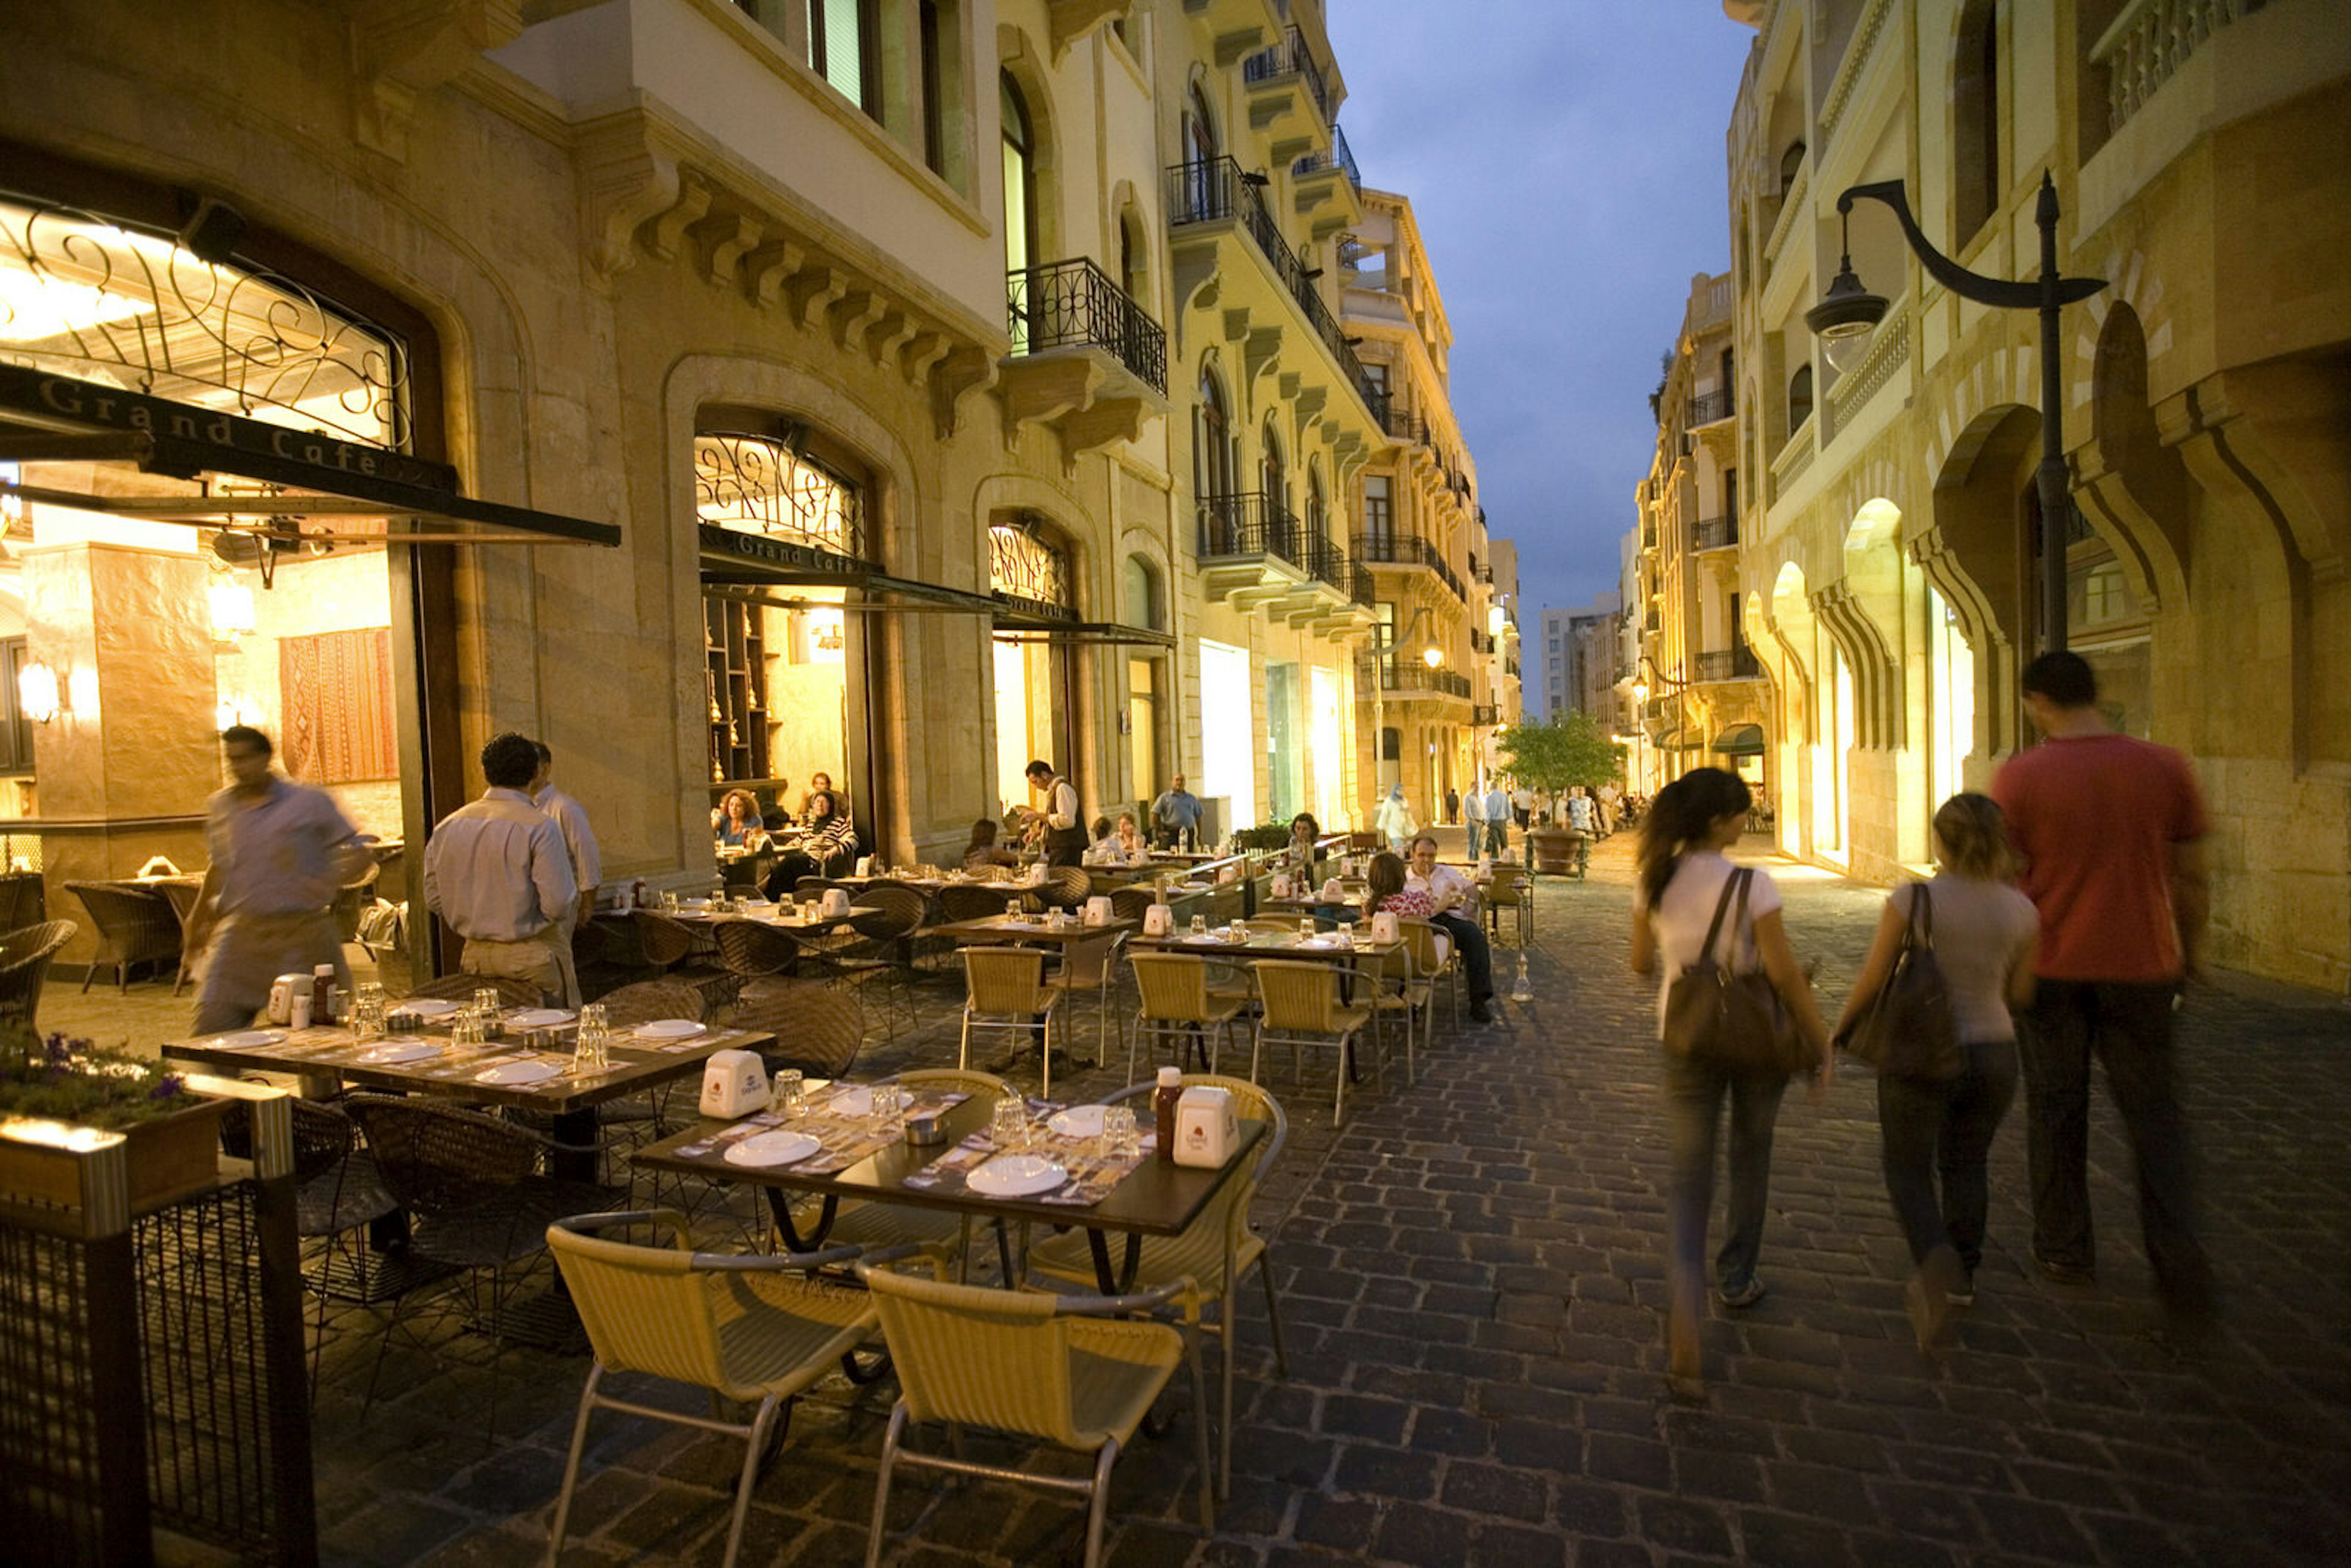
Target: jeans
(1694, 1095)
(1477, 958)
(1926, 1124)
(2128, 1028)
(1498, 838)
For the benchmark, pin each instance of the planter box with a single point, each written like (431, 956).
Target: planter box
(1554, 850)
(168, 1157)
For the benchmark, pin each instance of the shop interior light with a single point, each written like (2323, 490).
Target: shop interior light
(235, 708)
(36, 692)
(35, 307)
(232, 604)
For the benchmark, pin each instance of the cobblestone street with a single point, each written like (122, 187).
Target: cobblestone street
(1472, 1282)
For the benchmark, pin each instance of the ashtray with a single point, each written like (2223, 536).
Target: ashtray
(923, 1131)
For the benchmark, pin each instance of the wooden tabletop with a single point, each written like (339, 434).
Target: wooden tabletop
(1270, 944)
(997, 928)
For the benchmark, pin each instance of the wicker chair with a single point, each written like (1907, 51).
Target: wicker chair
(1512, 887)
(753, 948)
(748, 1328)
(1208, 1256)
(1008, 995)
(513, 991)
(1179, 1005)
(1065, 886)
(959, 901)
(182, 895)
(134, 925)
(650, 999)
(1302, 1008)
(473, 1185)
(1131, 903)
(1072, 1372)
(23, 900)
(819, 1028)
(24, 963)
(665, 941)
(1434, 959)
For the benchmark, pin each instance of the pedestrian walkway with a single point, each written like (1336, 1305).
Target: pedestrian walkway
(1473, 1287)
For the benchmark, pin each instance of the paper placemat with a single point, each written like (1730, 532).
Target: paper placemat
(843, 1140)
(1092, 1174)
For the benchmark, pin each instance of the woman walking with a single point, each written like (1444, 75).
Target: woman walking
(1983, 933)
(1682, 875)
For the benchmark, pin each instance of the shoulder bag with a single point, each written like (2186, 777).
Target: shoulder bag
(1734, 1023)
(1908, 1030)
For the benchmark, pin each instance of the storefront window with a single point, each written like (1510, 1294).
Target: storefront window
(760, 485)
(1034, 675)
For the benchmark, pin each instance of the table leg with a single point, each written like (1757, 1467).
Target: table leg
(1120, 1284)
(577, 1162)
(780, 1202)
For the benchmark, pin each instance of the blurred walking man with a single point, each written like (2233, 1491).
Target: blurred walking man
(2110, 830)
(496, 870)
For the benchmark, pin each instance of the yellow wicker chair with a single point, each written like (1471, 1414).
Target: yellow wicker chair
(1434, 959)
(1076, 1372)
(746, 1328)
(1301, 1008)
(1208, 1257)
(1398, 988)
(1512, 887)
(1180, 1004)
(1008, 993)
(1092, 967)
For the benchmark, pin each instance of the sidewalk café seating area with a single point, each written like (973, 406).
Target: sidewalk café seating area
(483, 1198)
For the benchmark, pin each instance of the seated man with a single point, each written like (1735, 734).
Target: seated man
(1455, 898)
(1103, 850)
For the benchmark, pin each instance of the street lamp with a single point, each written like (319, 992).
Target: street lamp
(1845, 318)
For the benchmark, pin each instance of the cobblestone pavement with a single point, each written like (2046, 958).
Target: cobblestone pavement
(1472, 1288)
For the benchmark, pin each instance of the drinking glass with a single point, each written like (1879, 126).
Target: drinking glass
(367, 1017)
(1306, 925)
(886, 1100)
(1199, 926)
(1119, 1139)
(371, 991)
(592, 1045)
(1347, 932)
(486, 1002)
(1011, 909)
(785, 1091)
(466, 1028)
(1008, 1125)
(809, 913)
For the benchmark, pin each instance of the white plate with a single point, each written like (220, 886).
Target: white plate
(537, 1017)
(1016, 1175)
(1322, 940)
(400, 1049)
(850, 1103)
(1077, 1122)
(426, 1007)
(513, 1073)
(669, 1029)
(694, 904)
(779, 1148)
(249, 1037)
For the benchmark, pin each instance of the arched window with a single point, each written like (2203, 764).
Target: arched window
(1975, 119)
(1274, 474)
(1318, 509)
(1199, 127)
(1020, 177)
(1799, 398)
(1133, 256)
(1790, 161)
(1212, 467)
(1144, 606)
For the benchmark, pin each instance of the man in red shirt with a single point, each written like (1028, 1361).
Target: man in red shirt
(2110, 831)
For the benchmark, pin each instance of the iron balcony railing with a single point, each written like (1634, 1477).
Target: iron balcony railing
(1482, 714)
(1214, 189)
(1340, 157)
(1075, 304)
(1404, 426)
(1707, 407)
(1290, 57)
(1401, 673)
(1728, 664)
(1714, 533)
(1251, 524)
(1408, 549)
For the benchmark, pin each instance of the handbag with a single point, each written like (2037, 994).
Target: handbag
(1733, 1023)
(1907, 1031)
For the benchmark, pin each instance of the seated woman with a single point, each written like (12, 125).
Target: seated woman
(1103, 850)
(822, 848)
(739, 827)
(1303, 832)
(984, 853)
(1385, 889)
(820, 783)
(1132, 849)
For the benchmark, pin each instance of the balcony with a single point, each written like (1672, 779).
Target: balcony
(1085, 359)
(1707, 408)
(1210, 205)
(1408, 679)
(1714, 533)
(1403, 427)
(1327, 190)
(1408, 549)
(1236, 28)
(1483, 715)
(1289, 97)
(1257, 554)
(1728, 664)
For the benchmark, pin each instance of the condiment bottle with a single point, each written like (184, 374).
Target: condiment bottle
(1163, 1110)
(322, 994)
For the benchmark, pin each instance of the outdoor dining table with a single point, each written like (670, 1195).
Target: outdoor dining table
(1155, 1198)
(570, 1097)
(1031, 928)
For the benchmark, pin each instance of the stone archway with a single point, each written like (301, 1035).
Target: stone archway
(1980, 547)
(1787, 652)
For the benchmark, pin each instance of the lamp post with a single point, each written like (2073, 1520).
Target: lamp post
(1845, 316)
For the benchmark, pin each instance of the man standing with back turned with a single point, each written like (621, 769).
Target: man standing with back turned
(570, 820)
(496, 870)
(2110, 830)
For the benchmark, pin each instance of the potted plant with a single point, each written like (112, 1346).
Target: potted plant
(1570, 750)
(61, 1100)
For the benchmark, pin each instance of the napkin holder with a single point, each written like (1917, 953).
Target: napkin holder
(1206, 1132)
(1386, 927)
(1280, 888)
(834, 905)
(282, 991)
(1334, 892)
(864, 865)
(157, 865)
(733, 1083)
(1036, 874)
(1158, 920)
(1098, 910)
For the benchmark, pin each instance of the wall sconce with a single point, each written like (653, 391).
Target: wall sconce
(232, 607)
(36, 692)
(235, 708)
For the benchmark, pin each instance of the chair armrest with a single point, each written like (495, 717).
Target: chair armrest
(775, 1264)
(1120, 1306)
(587, 1224)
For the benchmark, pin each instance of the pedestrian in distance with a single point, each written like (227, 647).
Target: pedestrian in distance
(1395, 820)
(1498, 819)
(2109, 829)
(1983, 931)
(1682, 873)
(1452, 805)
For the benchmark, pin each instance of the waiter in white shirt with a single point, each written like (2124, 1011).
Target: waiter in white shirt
(570, 820)
(496, 870)
(1065, 835)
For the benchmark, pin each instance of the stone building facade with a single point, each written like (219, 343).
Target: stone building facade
(1888, 534)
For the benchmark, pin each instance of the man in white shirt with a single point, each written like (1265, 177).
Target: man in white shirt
(496, 870)
(1473, 821)
(1497, 818)
(1065, 833)
(1456, 897)
(570, 818)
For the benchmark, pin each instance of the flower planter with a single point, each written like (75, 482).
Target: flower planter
(1554, 850)
(167, 1157)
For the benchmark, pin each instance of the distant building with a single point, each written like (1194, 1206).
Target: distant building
(1581, 651)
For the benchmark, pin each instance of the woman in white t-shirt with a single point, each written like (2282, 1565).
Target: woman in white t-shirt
(1985, 933)
(1682, 871)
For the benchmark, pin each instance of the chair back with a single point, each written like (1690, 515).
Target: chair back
(905, 907)
(323, 1135)
(1503, 885)
(24, 964)
(754, 948)
(1090, 965)
(1298, 996)
(819, 1028)
(1065, 886)
(1005, 981)
(971, 1080)
(976, 1355)
(437, 1159)
(460, 987)
(1272, 924)
(1429, 947)
(664, 940)
(1174, 986)
(961, 902)
(649, 999)
(1198, 1251)
(136, 924)
(646, 1309)
(1129, 903)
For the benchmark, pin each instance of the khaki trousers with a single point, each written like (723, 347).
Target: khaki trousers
(249, 951)
(543, 958)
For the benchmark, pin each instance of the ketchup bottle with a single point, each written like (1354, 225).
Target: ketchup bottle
(1163, 1110)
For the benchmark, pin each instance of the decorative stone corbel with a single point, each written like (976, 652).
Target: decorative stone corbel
(956, 376)
(858, 310)
(2266, 441)
(1072, 20)
(1111, 419)
(726, 238)
(627, 176)
(666, 234)
(811, 292)
(766, 268)
(401, 49)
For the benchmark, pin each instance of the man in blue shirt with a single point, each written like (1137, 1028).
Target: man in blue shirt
(1176, 813)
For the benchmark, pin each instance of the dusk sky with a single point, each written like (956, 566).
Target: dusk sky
(1565, 160)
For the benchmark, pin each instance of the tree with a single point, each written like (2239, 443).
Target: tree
(1570, 749)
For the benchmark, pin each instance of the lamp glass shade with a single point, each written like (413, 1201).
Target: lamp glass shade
(36, 692)
(1432, 655)
(232, 607)
(1846, 348)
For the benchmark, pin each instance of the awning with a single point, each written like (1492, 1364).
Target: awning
(1683, 740)
(1019, 620)
(1740, 740)
(57, 419)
